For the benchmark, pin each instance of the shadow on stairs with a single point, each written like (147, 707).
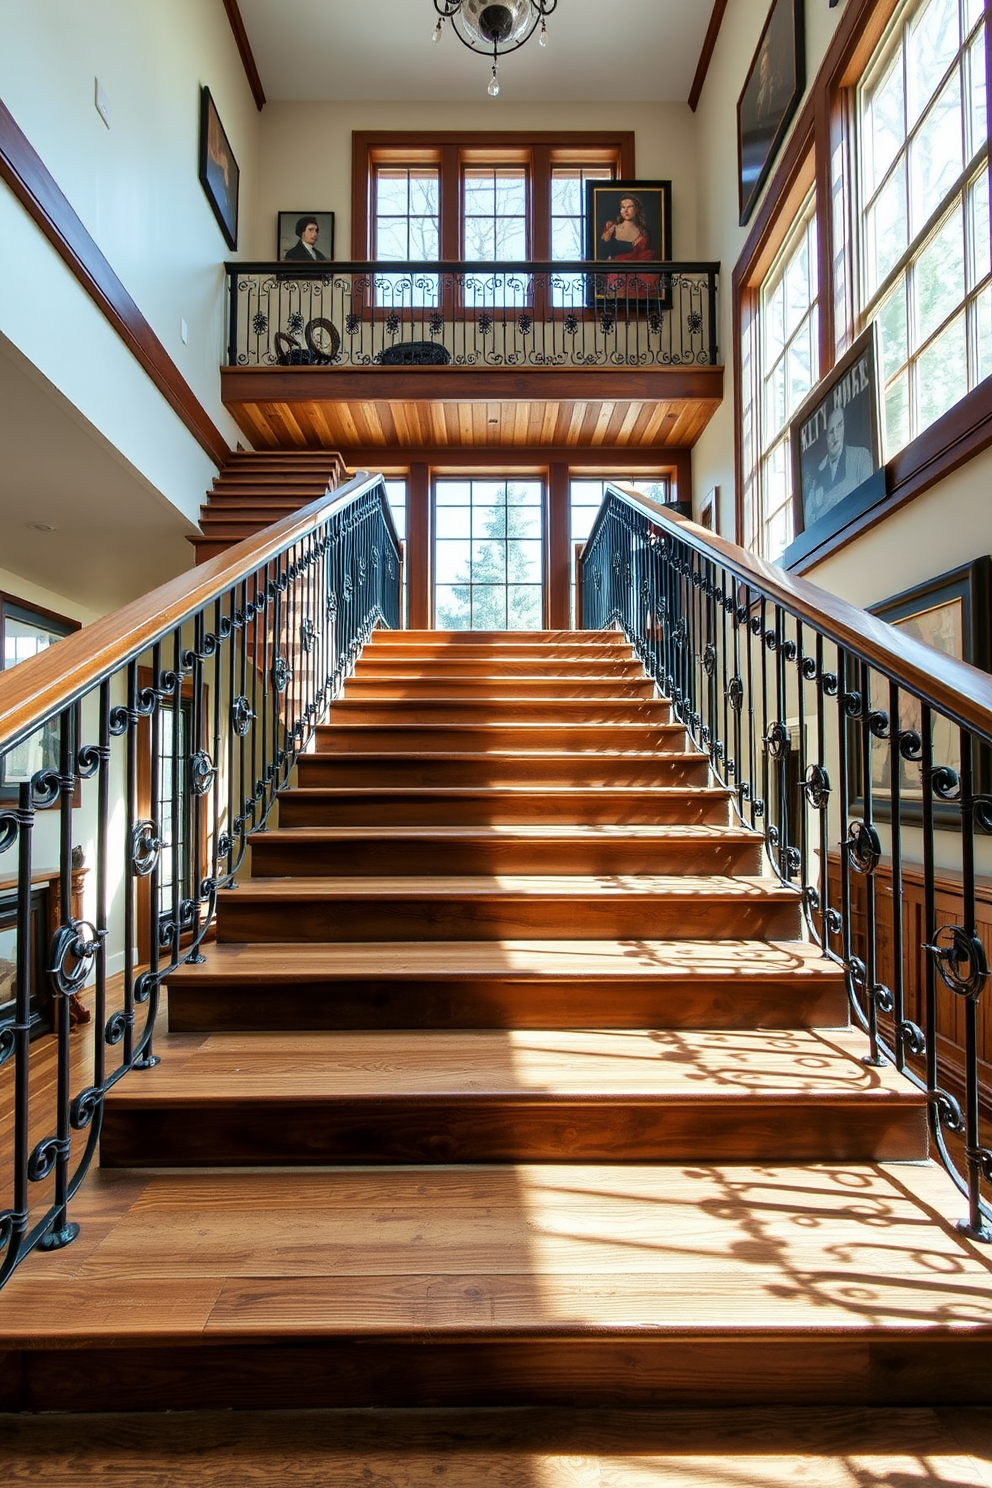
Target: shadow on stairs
(509, 1082)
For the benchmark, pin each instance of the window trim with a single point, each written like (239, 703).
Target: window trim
(452, 149)
(822, 126)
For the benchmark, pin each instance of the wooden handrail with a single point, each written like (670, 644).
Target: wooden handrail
(955, 688)
(34, 689)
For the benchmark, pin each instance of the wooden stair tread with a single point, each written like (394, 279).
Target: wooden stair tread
(528, 959)
(726, 888)
(569, 832)
(786, 1065)
(728, 1252)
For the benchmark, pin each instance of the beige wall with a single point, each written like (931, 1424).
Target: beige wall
(305, 154)
(136, 188)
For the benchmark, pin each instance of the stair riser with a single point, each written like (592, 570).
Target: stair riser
(552, 1367)
(242, 917)
(499, 710)
(316, 770)
(361, 689)
(281, 1004)
(509, 1128)
(479, 738)
(408, 809)
(275, 858)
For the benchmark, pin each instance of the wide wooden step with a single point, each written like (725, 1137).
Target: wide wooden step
(566, 1284)
(449, 851)
(495, 687)
(405, 665)
(525, 736)
(509, 984)
(508, 907)
(504, 1096)
(541, 709)
(502, 805)
(501, 767)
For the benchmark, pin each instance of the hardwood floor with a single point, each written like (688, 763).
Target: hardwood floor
(481, 1105)
(521, 1448)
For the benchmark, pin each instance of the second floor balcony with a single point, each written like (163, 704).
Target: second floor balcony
(428, 356)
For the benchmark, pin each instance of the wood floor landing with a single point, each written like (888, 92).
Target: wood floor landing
(525, 1448)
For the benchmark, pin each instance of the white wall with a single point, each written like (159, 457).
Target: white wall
(305, 155)
(136, 188)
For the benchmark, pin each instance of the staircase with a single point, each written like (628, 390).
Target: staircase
(257, 488)
(509, 1080)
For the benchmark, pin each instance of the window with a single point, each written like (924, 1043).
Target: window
(491, 197)
(26, 631)
(780, 364)
(585, 499)
(924, 211)
(396, 496)
(488, 554)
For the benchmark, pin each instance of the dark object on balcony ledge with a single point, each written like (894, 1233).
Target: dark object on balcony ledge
(323, 344)
(414, 354)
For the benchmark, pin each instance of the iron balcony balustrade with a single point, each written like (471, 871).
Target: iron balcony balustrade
(473, 314)
(173, 722)
(863, 757)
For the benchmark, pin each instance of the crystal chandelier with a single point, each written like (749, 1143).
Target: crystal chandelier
(494, 26)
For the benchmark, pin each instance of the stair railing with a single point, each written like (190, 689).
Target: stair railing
(147, 746)
(865, 760)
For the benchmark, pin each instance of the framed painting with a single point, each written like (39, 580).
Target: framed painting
(305, 237)
(772, 90)
(836, 443)
(629, 223)
(219, 174)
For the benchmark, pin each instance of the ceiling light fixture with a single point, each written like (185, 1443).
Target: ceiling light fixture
(497, 28)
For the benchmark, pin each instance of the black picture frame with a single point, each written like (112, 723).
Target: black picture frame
(219, 174)
(773, 87)
(289, 241)
(950, 612)
(831, 488)
(652, 215)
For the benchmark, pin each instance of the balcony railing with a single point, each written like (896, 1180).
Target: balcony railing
(174, 722)
(472, 314)
(863, 758)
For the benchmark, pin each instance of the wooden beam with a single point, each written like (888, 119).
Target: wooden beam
(244, 49)
(706, 55)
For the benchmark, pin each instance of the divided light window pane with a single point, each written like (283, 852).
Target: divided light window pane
(494, 229)
(788, 351)
(923, 189)
(568, 228)
(407, 228)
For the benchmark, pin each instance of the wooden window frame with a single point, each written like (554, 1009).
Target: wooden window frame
(822, 133)
(61, 623)
(451, 151)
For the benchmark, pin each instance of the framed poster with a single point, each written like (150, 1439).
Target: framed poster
(836, 441)
(219, 174)
(774, 86)
(627, 223)
(305, 237)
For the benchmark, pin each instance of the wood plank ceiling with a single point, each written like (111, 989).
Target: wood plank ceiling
(431, 408)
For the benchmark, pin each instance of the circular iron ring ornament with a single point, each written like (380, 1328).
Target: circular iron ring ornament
(241, 716)
(864, 850)
(735, 693)
(72, 956)
(816, 787)
(961, 961)
(201, 772)
(146, 846)
(777, 740)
